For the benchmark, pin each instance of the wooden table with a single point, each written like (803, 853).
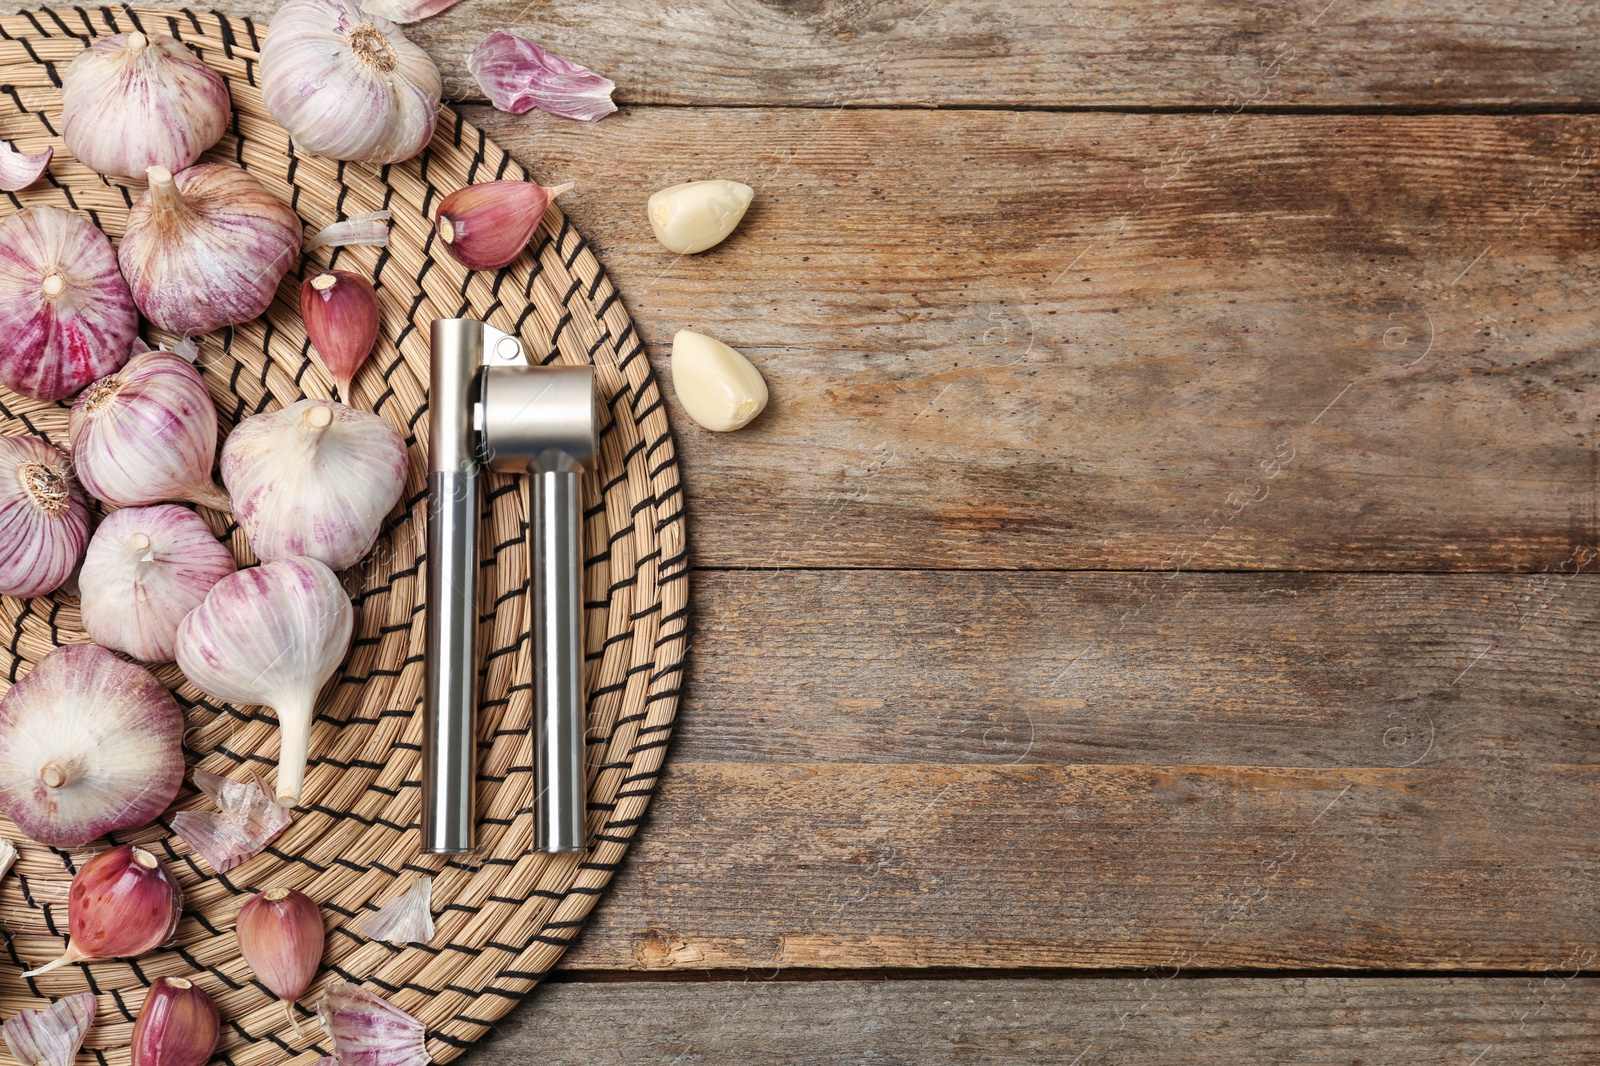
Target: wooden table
(1156, 620)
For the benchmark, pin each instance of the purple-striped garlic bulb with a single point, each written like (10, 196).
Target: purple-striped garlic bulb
(147, 434)
(65, 313)
(206, 247)
(44, 518)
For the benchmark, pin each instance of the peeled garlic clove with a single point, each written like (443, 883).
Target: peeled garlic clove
(348, 85)
(66, 314)
(281, 936)
(315, 478)
(146, 568)
(406, 919)
(486, 226)
(206, 247)
(518, 76)
(138, 100)
(246, 820)
(719, 388)
(89, 744)
(178, 1025)
(51, 1037)
(271, 635)
(18, 170)
(340, 311)
(122, 903)
(147, 434)
(697, 215)
(368, 1030)
(44, 515)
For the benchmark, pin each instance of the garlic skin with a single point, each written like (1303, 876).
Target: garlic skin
(66, 314)
(122, 903)
(717, 386)
(486, 226)
(281, 938)
(178, 1025)
(44, 516)
(89, 744)
(206, 248)
(368, 1030)
(697, 215)
(19, 170)
(348, 85)
(51, 1037)
(340, 311)
(133, 101)
(271, 635)
(314, 479)
(245, 821)
(147, 434)
(406, 919)
(146, 568)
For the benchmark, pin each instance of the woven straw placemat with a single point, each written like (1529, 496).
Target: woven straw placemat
(504, 913)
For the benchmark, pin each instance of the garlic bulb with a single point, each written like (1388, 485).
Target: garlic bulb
(66, 313)
(271, 635)
(315, 478)
(134, 100)
(697, 215)
(43, 516)
(340, 311)
(348, 85)
(51, 1037)
(206, 247)
(146, 568)
(89, 744)
(717, 385)
(486, 226)
(147, 434)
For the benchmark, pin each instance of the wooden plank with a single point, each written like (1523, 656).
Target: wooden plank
(1545, 1019)
(1420, 790)
(1308, 342)
(1102, 53)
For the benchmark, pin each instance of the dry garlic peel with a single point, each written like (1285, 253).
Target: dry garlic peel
(65, 311)
(89, 744)
(719, 388)
(51, 1037)
(271, 635)
(348, 85)
(146, 568)
(368, 1030)
(313, 479)
(134, 100)
(697, 215)
(406, 919)
(18, 170)
(245, 821)
(44, 517)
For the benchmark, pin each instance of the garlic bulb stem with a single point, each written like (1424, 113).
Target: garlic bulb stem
(54, 284)
(164, 194)
(137, 42)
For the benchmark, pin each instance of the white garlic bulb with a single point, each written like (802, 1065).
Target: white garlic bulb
(315, 479)
(146, 568)
(697, 215)
(347, 84)
(271, 635)
(43, 514)
(717, 385)
(135, 100)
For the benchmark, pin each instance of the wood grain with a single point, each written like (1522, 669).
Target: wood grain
(1545, 1019)
(1099, 53)
(1308, 342)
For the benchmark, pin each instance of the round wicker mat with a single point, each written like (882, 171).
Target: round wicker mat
(505, 913)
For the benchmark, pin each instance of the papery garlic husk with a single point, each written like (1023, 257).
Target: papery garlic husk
(406, 919)
(147, 434)
(717, 385)
(247, 818)
(518, 75)
(44, 518)
(281, 937)
(407, 10)
(340, 311)
(51, 1037)
(698, 215)
(271, 635)
(368, 1030)
(315, 478)
(122, 903)
(486, 226)
(138, 100)
(65, 312)
(89, 744)
(370, 229)
(18, 170)
(146, 568)
(178, 1025)
(206, 247)
(348, 85)
(8, 856)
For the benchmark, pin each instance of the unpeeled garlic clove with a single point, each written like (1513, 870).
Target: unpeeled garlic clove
(719, 388)
(486, 226)
(697, 215)
(281, 937)
(122, 903)
(178, 1025)
(340, 311)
